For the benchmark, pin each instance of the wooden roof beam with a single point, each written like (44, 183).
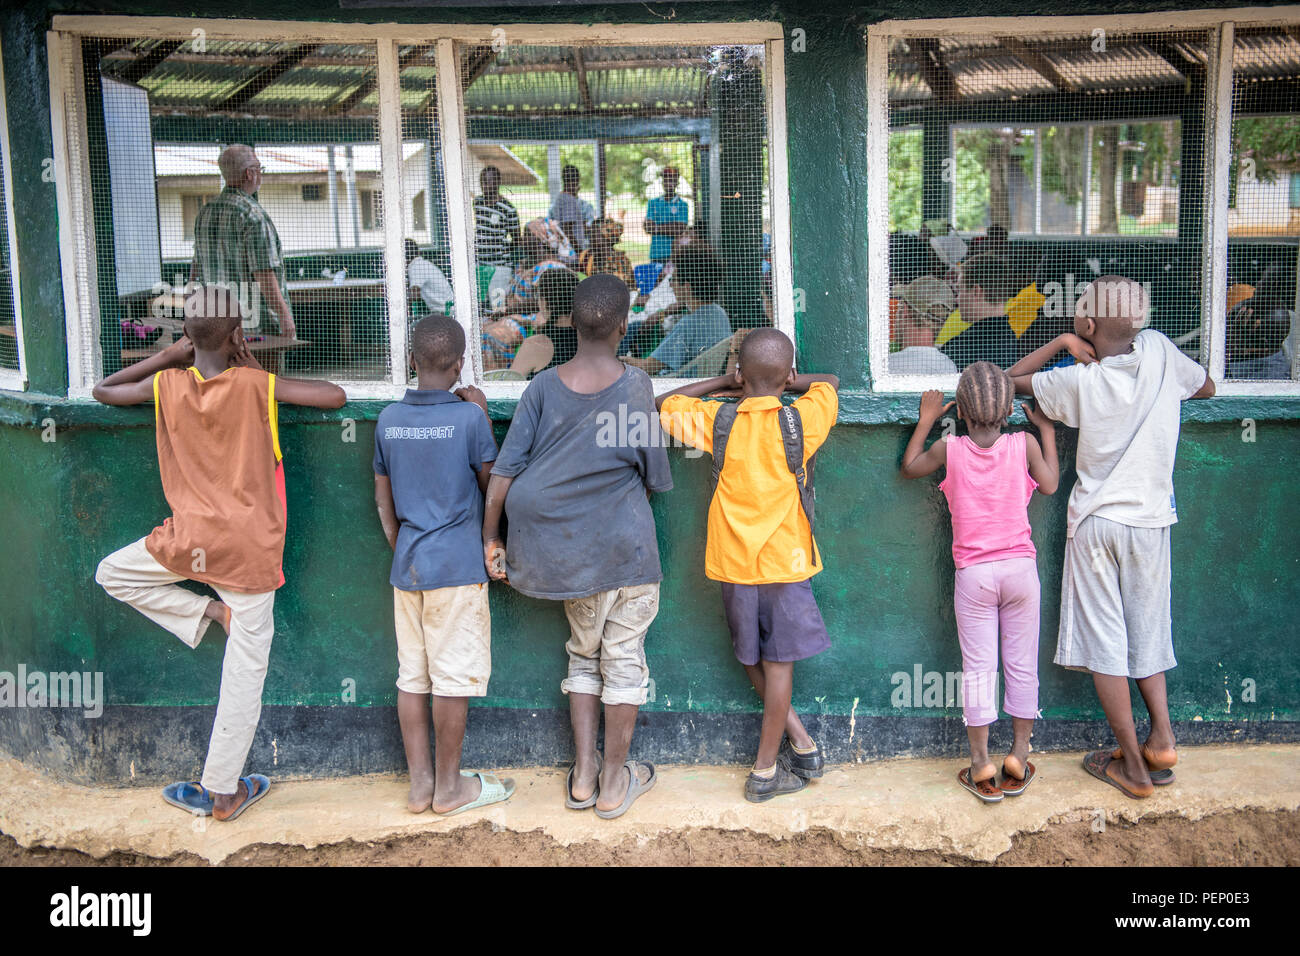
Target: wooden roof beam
(366, 88)
(581, 70)
(480, 58)
(937, 76)
(1037, 62)
(262, 80)
(138, 69)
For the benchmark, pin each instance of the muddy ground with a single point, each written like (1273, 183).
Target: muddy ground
(1243, 838)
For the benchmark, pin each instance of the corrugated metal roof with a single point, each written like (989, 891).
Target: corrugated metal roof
(980, 68)
(336, 79)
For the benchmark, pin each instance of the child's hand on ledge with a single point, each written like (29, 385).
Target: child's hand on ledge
(468, 393)
(932, 407)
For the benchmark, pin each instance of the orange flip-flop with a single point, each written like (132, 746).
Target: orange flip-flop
(986, 789)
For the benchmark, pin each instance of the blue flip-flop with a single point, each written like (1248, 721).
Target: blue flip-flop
(264, 784)
(190, 797)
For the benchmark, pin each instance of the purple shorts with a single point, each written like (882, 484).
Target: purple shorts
(774, 622)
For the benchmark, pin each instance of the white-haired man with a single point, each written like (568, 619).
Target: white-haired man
(235, 243)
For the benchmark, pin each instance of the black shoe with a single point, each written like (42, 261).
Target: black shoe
(758, 789)
(809, 766)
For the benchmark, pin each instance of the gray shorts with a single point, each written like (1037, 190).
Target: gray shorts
(607, 644)
(1115, 600)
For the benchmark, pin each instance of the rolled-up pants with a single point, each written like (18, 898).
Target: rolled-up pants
(134, 576)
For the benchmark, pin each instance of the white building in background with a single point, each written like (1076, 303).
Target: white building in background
(296, 191)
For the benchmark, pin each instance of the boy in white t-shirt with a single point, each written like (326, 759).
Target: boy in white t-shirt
(1125, 397)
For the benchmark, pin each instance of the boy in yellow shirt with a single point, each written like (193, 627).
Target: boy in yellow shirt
(760, 544)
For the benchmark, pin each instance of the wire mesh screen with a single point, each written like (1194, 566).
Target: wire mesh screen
(1263, 205)
(424, 194)
(645, 162)
(8, 308)
(253, 164)
(1023, 167)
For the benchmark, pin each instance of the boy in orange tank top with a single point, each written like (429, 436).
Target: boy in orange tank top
(217, 431)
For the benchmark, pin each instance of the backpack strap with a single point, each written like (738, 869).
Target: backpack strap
(722, 423)
(792, 439)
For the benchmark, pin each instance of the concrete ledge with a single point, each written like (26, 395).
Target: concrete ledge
(147, 745)
(891, 805)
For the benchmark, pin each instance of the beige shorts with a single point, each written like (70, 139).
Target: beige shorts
(443, 641)
(607, 644)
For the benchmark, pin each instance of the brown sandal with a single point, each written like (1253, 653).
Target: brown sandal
(1012, 785)
(1097, 764)
(985, 789)
(1160, 771)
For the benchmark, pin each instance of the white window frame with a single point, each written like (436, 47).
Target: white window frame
(1218, 128)
(11, 379)
(67, 115)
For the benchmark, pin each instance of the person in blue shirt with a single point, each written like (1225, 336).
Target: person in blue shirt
(666, 217)
(697, 283)
(433, 454)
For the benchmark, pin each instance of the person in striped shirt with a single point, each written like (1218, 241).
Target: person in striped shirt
(496, 221)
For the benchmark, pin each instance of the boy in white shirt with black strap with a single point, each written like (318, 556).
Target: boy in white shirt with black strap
(1125, 397)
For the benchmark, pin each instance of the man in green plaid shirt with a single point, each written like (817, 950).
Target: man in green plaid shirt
(235, 243)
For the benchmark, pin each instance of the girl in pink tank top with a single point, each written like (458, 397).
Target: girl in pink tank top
(990, 477)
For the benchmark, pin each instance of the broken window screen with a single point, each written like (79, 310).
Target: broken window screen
(1263, 206)
(1039, 163)
(252, 164)
(645, 162)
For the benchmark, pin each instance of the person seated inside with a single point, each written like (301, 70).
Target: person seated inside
(426, 283)
(923, 306)
(985, 284)
(554, 340)
(1254, 341)
(568, 210)
(503, 331)
(697, 284)
(603, 255)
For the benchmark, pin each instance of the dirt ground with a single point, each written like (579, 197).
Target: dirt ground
(1244, 838)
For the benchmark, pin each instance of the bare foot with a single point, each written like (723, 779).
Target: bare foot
(224, 804)
(467, 790)
(420, 796)
(1139, 784)
(584, 779)
(220, 613)
(613, 791)
(1015, 762)
(980, 772)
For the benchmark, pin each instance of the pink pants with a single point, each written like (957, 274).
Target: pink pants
(998, 596)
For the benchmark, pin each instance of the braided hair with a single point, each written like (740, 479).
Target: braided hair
(985, 394)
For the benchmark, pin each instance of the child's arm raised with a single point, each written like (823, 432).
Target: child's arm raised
(1044, 466)
(494, 503)
(801, 383)
(313, 393)
(387, 509)
(1022, 373)
(705, 386)
(918, 463)
(133, 385)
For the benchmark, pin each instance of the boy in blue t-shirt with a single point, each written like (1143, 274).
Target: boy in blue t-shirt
(433, 453)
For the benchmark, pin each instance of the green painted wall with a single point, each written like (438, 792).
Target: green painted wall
(887, 590)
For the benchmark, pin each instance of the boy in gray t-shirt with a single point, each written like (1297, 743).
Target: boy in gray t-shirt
(1124, 396)
(574, 474)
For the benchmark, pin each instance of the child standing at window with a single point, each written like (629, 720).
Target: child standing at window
(991, 475)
